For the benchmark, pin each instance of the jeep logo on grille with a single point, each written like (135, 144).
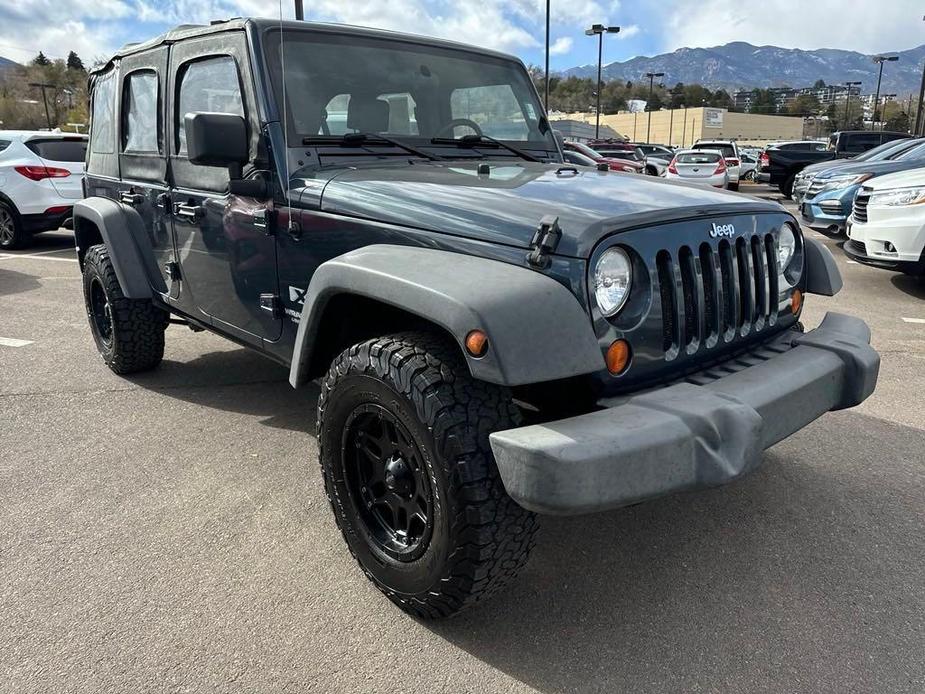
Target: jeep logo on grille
(722, 230)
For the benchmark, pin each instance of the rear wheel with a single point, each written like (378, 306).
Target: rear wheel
(403, 437)
(129, 333)
(786, 188)
(11, 233)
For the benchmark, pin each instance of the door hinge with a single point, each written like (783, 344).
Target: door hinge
(271, 303)
(544, 241)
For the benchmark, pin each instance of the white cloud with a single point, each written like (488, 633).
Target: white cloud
(628, 31)
(561, 45)
(893, 25)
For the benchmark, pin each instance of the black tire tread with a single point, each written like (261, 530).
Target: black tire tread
(19, 238)
(138, 325)
(493, 535)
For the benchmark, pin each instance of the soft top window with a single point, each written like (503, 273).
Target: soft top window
(210, 85)
(141, 125)
(102, 126)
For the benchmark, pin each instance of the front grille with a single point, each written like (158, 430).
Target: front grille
(716, 293)
(815, 187)
(860, 206)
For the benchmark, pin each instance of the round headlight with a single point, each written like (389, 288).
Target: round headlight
(613, 275)
(786, 246)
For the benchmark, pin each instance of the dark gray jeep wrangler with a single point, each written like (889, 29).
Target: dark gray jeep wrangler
(497, 334)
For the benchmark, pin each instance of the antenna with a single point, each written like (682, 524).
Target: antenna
(284, 115)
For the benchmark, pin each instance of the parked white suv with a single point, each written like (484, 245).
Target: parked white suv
(41, 175)
(730, 151)
(886, 228)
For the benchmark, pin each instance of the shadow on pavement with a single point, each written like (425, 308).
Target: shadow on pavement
(817, 560)
(913, 286)
(240, 381)
(49, 241)
(12, 282)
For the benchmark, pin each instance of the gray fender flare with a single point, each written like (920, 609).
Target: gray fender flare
(126, 238)
(537, 329)
(822, 274)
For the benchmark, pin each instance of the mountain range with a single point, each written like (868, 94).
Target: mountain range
(7, 63)
(740, 65)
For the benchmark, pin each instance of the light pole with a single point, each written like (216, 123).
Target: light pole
(881, 59)
(651, 76)
(599, 30)
(849, 85)
(684, 126)
(299, 11)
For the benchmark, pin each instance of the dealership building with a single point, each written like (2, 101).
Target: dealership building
(684, 126)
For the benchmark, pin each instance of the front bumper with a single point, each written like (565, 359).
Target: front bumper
(827, 210)
(702, 433)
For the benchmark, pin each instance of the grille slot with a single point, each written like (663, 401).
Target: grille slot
(717, 293)
(860, 207)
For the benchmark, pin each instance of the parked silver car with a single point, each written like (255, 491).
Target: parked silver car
(703, 166)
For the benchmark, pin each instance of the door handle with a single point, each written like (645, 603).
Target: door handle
(191, 212)
(130, 197)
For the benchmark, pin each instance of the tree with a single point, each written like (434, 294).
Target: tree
(804, 105)
(41, 60)
(895, 117)
(721, 99)
(819, 84)
(763, 102)
(74, 62)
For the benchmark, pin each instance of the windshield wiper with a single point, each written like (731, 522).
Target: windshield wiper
(475, 140)
(358, 139)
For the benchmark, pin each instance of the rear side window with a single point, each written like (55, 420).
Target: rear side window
(4, 144)
(102, 125)
(210, 86)
(141, 126)
(59, 150)
(861, 142)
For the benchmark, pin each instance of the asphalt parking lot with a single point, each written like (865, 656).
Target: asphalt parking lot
(169, 533)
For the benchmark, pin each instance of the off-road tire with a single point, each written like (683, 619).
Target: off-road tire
(480, 537)
(136, 340)
(12, 235)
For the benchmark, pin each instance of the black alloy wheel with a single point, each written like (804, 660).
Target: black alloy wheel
(387, 481)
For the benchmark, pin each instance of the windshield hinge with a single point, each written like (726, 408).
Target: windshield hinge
(545, 241)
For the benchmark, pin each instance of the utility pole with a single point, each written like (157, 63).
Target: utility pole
(599, 30)
(43, 87)
(299, 10)
(881, 59)
(849, 85)
(684, 126)
(651, 76)
(670, 124)
(546, 88)
(917, 128)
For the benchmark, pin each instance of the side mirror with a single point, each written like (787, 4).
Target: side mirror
(217, 139)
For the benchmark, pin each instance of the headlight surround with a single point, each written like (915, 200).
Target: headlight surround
(611, 280)
(898, 197)
(843, 181)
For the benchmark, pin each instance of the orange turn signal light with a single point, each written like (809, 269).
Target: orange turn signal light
(477, 343)
(796, 301)
(618, 357)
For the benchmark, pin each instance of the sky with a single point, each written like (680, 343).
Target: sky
(97, 27)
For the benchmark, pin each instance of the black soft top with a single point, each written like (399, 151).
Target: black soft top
(188, 31)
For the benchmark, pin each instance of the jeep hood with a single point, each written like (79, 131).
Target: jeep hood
(506, 205)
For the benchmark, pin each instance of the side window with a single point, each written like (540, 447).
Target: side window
(141, 127)
(494, 108)
(211, 85)
(862, 142)
(102, 127)
(4, 144)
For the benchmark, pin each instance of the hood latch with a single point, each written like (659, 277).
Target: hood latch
(544, 241)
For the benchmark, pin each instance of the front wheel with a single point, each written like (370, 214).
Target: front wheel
(403, 437)
(129, 333)
(734, 186)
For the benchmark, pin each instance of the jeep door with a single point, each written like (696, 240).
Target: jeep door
(142, 183)
(227, 258)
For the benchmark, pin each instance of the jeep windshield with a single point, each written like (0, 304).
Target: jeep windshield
(434, 98)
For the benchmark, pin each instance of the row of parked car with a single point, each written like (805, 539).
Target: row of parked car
(716, 163)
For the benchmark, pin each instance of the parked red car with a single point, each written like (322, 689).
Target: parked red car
(614, 163)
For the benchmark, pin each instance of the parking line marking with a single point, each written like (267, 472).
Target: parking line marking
(913, 320)
(36, 256)
(852, 262)
(13, 342)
